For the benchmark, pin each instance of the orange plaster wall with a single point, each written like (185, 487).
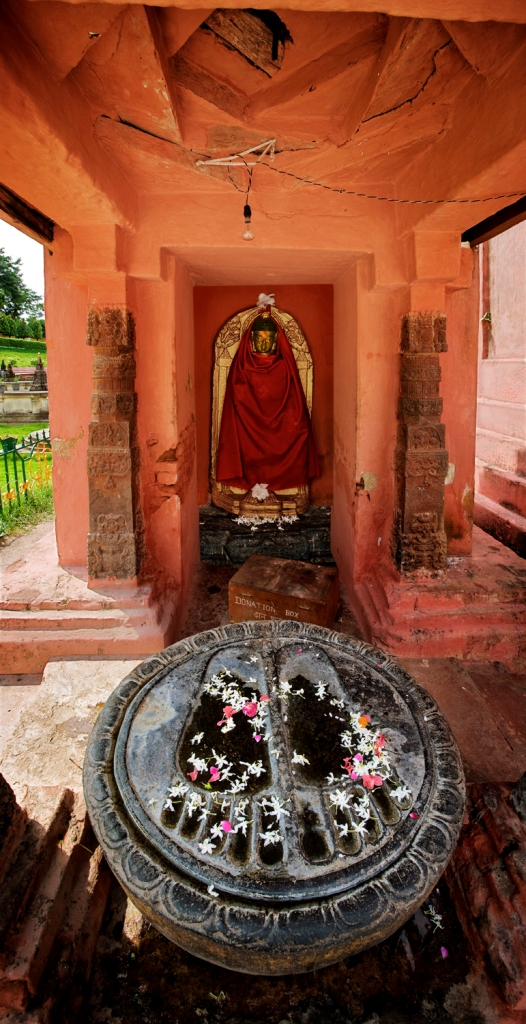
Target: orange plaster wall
(378, 385)
(69, 381)
(345, 383)
(312, 307)
(459, 390)
(164, 385)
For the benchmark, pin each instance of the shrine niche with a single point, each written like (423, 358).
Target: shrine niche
(263, 452)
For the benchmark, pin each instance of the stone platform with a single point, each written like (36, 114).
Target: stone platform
(474, 611)
(484, 705)
(225, 541)
(47, 611)
(247, 841)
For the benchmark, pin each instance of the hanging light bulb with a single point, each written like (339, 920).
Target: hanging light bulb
(248, 234)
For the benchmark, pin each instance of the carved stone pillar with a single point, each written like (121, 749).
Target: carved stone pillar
(421, 457)
(112, 452)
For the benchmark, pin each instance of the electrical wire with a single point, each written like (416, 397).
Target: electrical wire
(388, 199)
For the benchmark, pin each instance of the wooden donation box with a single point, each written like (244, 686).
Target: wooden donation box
(280, 588)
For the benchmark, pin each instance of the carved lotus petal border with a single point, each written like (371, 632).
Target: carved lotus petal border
(262, 938)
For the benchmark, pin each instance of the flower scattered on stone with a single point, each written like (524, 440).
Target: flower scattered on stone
(211, 891)
(255, 521)
(195, 802)
(216, 832)
(206, 846)
(270, 838)
(197, 738)
(435, 918)
(273, 807)
(340, 799)
(178, 791)
(299, 759)
(256, 768)
(401, 793)
(284, 690)
(370, 765)
(320, 689)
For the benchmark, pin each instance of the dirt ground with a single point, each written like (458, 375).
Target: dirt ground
(420, 974)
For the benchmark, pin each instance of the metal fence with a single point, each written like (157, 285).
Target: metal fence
(24, 465)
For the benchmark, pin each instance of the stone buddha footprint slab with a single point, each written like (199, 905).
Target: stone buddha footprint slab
(270, 779)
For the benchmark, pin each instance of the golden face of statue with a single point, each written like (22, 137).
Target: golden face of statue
(264, 342)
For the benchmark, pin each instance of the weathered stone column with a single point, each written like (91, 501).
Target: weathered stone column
(113, 456)
(421, 457)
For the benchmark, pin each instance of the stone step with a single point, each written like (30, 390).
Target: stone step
(64, 620)
(496, 449)
(506, 526)
(29, 941)
(507, 489)
(36, 599)
(501, 417)
(28, 859)
(29, 650)
(472, 640)
(57, 886)
(477, 609)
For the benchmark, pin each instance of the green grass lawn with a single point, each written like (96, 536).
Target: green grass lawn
(22, 351)
(21, 430)
(39, 504)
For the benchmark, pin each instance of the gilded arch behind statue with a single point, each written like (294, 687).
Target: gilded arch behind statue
(287, 501)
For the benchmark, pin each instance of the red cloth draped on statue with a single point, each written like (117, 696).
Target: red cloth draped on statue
(266, 434)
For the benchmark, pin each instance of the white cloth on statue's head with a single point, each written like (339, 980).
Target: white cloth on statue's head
(266, 300)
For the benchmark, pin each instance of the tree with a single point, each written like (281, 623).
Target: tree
(35, 328)
(7, 326)
(16, 299)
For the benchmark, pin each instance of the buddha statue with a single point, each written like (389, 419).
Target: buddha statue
(263, 450)
(264, 335)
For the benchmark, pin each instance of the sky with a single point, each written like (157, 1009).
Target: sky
(16, 244)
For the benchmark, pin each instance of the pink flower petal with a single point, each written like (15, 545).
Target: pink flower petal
(264, 697)
(193, 775)
(226, 826)
(444, 952)
(299, 651)
(257, 737)
(228, 711)
(354, 775)
(358, 757)
(250, 709)
(368, 781)
(413, 815)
